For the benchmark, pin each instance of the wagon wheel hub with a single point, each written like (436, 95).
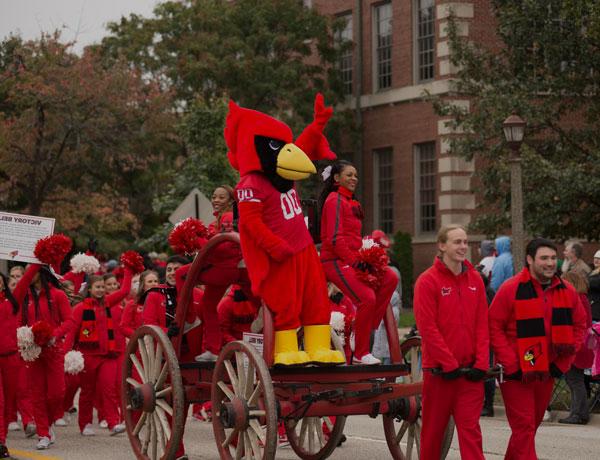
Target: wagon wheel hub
(236, 414)
(143, 398)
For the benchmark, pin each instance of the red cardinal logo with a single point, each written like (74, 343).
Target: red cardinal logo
(446, 291)
(533, 353)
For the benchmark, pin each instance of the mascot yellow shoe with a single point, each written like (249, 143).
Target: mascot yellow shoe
(317, 343)
(286, 349)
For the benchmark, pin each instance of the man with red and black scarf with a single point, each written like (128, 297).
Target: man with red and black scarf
(537, 323)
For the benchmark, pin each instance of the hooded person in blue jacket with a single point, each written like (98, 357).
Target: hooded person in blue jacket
(503, 265)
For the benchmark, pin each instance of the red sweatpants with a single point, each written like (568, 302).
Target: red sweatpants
(525, 405)
(9, 380)
(460, 399)
(100, 373)
(72, 384)
(46, 377)
(296, 291)
(24, 401)
(217, 279)
(371, 305)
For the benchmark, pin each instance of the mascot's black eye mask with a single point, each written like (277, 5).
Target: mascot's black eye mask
(268, 149)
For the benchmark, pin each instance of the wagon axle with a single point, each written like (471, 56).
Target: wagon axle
(407, 409)
(237, 414)
(143, 398)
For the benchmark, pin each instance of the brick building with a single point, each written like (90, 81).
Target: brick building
(400, 51)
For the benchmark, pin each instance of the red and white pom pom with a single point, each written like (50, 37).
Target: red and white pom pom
(377, 259)
(133, 261)
(188, 236)
(74, 362)
(338, 324)
(52, 249)
(82, 263)
(26, 343)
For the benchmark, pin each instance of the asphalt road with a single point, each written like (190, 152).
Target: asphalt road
(365, 441)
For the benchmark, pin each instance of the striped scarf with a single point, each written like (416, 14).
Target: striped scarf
(88, 332)
(531, 332)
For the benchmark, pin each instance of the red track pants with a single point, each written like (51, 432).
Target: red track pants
(217, 279)
(460, 399)
(46, 377)
(9, 379)
(525, 405)
(370, 305)
(296, 291)
(72, 384)
(24, 402)
(100, 373)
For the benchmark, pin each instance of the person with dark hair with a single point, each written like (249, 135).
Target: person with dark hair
(341, 240)
(46, 301)
(451, 312)
(537, 323)
(93, 329)
(573, 261)
(594, 288)
(9, 359)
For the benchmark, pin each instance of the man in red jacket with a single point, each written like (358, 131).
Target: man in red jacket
(451, 312)
(537, 323)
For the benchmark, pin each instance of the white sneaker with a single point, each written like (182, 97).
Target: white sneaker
(103, 424)
(30, 430)
(88, 430)
(52, 434)
(117, 429)
(43, 443)
(207, 356)
(61, 422)
(367, 359)
(13, 426)
(547, 416)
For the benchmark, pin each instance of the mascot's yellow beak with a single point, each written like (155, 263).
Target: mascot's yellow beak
(293, 164)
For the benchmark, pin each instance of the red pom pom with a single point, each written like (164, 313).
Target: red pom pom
(42, 333)
(133, 261)
(52, 249)
(188, 236)
(377, 259)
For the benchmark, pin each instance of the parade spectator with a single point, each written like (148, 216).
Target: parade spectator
(341, 226)
(451, 312)
(594, 292)
(503, 268)
(584, 358)
(573, 261)
(487, 252)
(537, 323)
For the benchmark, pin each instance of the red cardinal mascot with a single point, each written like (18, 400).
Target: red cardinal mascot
(282, 261)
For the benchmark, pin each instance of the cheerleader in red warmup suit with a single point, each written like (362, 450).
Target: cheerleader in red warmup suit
(45, 301)
(341, 239)
(93, 330)
(9, 358)
(132, 314)
(222, 271)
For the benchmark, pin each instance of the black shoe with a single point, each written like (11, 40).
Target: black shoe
(573, 420)
(4, 451)
(487, 411)
(342, 440)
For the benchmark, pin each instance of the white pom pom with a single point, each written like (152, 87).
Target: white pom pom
(338, 321)
(368, 243)
(74, 362)
(26, 343)
(82, 263)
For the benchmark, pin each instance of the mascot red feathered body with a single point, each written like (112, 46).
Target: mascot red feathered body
(282, 261)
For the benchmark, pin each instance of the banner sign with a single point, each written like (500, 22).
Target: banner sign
(19, 233)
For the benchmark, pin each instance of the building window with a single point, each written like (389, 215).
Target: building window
(383, 45)
(384, 190)
(426, 175)
(425, 39)
(344, 40)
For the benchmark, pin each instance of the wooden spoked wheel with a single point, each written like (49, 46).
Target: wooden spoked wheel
(152, 395)
(243, 404)
(315, 438)
(403, 432)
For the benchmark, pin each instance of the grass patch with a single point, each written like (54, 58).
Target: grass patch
(407, 318)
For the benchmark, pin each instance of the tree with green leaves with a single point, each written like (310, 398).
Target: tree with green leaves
(546, 68)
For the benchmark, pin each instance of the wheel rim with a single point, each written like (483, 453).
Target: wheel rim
(152, 395)
(308, 438)
(244, 408)
(404, 435)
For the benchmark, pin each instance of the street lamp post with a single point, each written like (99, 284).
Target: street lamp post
(514, 131)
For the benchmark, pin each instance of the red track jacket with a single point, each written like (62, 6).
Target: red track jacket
(452, 318)
(503, 325)
(57, 317)
(341, 228)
